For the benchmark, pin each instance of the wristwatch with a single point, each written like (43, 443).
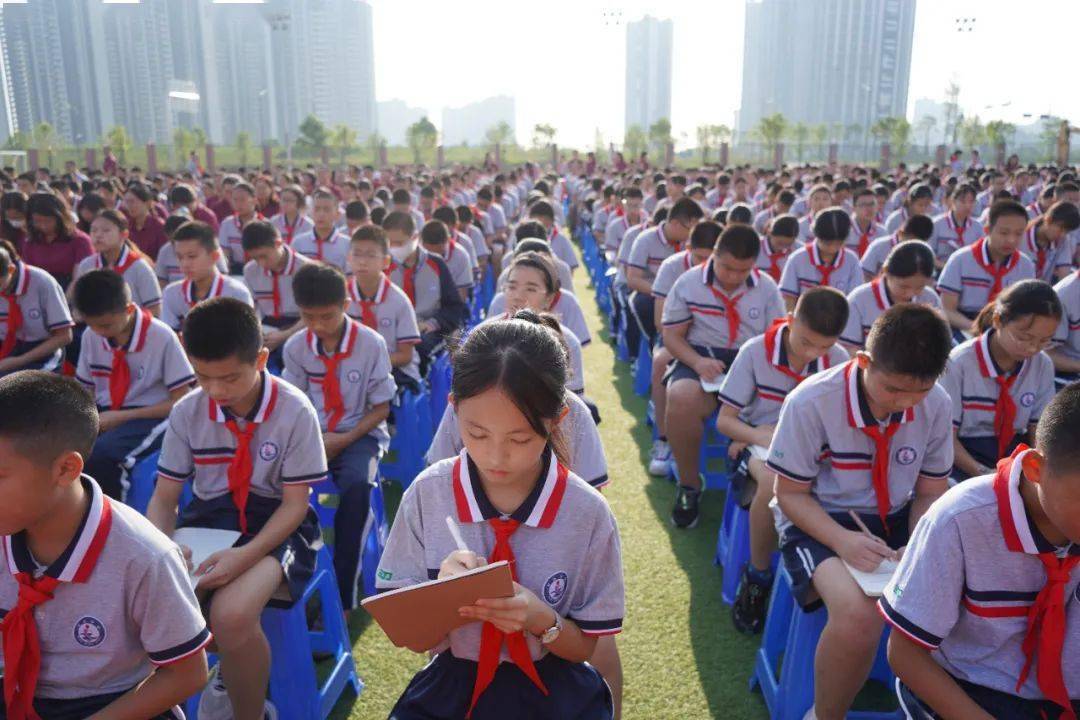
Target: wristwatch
(552, 633)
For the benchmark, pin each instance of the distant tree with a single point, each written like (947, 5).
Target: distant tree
(852, 132)
(313, 135)
(799, 133)
(118, 139)
(836, 132)
(543, 135)
(634, 141)
(198, 138)
(660, 135)
(926, 125)
(1051, 129)
(771, 129)
(19, 140)
(500, 134)
(420, 136)
(999, 132)
(46, 140)
(243, 146)
(820, 133)
(704, 141)
(972, 131)
(182, 140)
(343, 138)
(599, 146)
(374, 142)
(900, 137)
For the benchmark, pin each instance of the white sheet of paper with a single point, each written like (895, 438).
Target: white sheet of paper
(204, 542)
(873, 584)
(712, 386)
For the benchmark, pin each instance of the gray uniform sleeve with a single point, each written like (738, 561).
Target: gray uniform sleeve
(176, 461)
(145, 285)
(852, 333)
(380, 382)
(949, 280)
(402, 561)
(176, 370)
(676, 311)
(292, 355)
(639, 253)
(564, 250)
(54, 306)
(774, 307)
(951, 382)
(789, 278)
(447, 440)
(938, 460)
(796, 444)
(304, 458)
(169, 311)
(165, 592)
(598, 602)
(738, 388)
(82, 371)
(588, 461)
(1044, 393)
(405, 327)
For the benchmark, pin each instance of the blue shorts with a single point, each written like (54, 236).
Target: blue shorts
(678, 370)
(984, 450)
(997, 703)
(802, 554)
(81, 708)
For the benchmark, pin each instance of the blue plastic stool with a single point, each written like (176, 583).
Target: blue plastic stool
(141, 483)
(439, 377)
(733, 547)
(412, 435)
(791, 636)
(643, 369)
(714, 446)
(622, 347)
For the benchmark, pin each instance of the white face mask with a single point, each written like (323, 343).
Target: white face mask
(401, 253)
(17, 224)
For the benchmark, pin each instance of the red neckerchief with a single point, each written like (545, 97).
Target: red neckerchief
(319, 242)
(1005, 407)
(290, 228)
(367, 307)
(960, 230)
(187, 289)
(998, 272)
(731, 305)
(773, 336)
(1046, 617)
(120, 375)
(1032, 240)
(333, 402)
(825, 270)
(19, 285)
(275, 290)
(774, 258)
(241, 464)
(124, 260)
(864, 237)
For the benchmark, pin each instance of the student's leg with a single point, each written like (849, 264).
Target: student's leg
(642, 308)
(687, 407)
(109, 451)
(353, 470)
(660, 360)
(762, 528)
(243, 650)
(605, 659)
(846, 650)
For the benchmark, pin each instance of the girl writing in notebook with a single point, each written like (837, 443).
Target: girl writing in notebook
(513, 499)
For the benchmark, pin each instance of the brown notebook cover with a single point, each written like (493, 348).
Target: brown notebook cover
(419, 616)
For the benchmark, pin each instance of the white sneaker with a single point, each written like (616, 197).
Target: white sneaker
(214, 703)
(269, 711)
(660, 458)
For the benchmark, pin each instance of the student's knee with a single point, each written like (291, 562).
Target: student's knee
(232, 621)
(856, 619)
(764, 479)
(684, 396)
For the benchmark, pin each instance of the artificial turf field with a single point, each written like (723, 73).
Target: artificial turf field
(681, 657)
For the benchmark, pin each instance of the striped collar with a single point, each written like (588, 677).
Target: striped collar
(987, 365)
(708, 276)
(77, 561)
(1019, 530)
(217, 286)
(22, 279)
(956, 227)
(137, 341)
(856, 406)
(815, 256)
(981, 251)
(123, 261)
(539, 509)
(264, 405)
(290, 263)
(776, 353)
(380, 294)
(1031, 243)
(881, 293)
(345, 345)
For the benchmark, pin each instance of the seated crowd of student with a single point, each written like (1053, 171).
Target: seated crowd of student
(864, 339)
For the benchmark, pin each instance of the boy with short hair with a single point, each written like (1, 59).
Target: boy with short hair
(871, 436)
(344, 369)
(708, 315)
(956, 228)
(230, 233)
(135, 367)
(823, 260)
(324, 242)
(818, 199)
(435, 238)
(777, 243)
(626, 215)
(381, 305)
(469, 228)
(356, 216)
(983, 605)
(448, 217)
(198, 255)
(543, 212)
(1048, 241)
(99, 615)
(251, 445)
(863, 227)
(269, 274)
(767, 368)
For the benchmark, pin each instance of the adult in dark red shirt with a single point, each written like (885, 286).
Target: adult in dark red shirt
(54, 243)
(221, 203)
(183, 196)
(147, 230)
(267, 201)
(13, 218)
(88, 208)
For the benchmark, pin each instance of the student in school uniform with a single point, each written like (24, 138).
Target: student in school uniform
(1066, 350)
(975, 274)
(427, 282)
(699, 250)
(956, 228)
(356, 215)
(134, 365)
(765, 370)
(885, 423)
(979, 626)
(620, 287)
(35, 322)
(530, 236)
(818, 200)
(917, 227)
(822, 261)
(994, 183)
(86, 583)
(1048, 241)
(469, 228)
(542, 212)
(907, 276)
(709, 314)
(604, 214)
(448, 217)
(292, 221)
(324, 242)
(185, 201)
(114, 250)
(863, 228)
(919, 199)
(383, 306)
(251, 445)
(650, 249)
(198, 257)
(435, 239)
(231, 232)
(344, 369)
(1000, 380)
(621, 222)
(522, 505)
(166, 266)
(777, 244)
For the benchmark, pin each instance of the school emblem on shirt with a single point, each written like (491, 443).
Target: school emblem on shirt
(34, 313)
(1027, 399)
(353, 376)
(141, 373)
(555, 588)
(385, 322)
(906, 455)
(268, 451)
(89, 631)
(754, 313)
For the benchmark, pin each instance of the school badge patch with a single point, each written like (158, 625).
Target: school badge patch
(555, 588)
(89, 631)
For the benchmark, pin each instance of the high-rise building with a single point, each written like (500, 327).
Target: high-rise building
(648, 71)
(393, 119)
(471, 122)
(842, 62)
(242, 59)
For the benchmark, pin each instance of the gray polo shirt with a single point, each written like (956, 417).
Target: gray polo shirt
(696, 300)
(363, 375)
(460, 264)
(625, 248)
(873, 260)
(1068, 331)
(967, 580)
(140, 278)
(761, 377)
(971, 381)
(819, 440)
(1047, 261)
(801, 272)
(332, 249)
(868, 301)
(286, 449)
(230, 234)
(855, 235)
(564, 306)
(179, 297)
(650, 249)
(167, 267)
(768, 254)
(561, 248)
(670, 271)
(965, 275)
(950, 235)
(124, 604)
(480, 247)
(394, 317)
(262, 283)
(301, 226)
(426, 281)
(41, 302)
(154, 357)
(566, 549)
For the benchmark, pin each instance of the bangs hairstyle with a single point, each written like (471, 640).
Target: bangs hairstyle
(1006, 208)
(824, 310)
(785, 226)
(1057, 436)
(910, 340)
(739, 241)
(316, 285)
(221, 328)
(910, 258)
(705, 234)
(195, 231)
(1021, 299)
(372, 234)
(541, 264)
(101, 292)
(524, 360)
(832, 224)
(918, 227)
(47, 414)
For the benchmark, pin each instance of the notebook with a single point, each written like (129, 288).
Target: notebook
(204, 542)
(712, 386)
(873, 583)
(419, 616)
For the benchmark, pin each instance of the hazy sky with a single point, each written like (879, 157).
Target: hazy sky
(563, 60)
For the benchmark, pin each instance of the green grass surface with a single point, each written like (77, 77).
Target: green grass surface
(681, 657)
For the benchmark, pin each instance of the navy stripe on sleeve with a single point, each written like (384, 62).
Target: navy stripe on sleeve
(787, 473)
(182, 650)
(907, 627)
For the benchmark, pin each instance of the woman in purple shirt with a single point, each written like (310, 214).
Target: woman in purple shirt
(54, 243)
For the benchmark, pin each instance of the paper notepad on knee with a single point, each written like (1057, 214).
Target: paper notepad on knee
(873, 583)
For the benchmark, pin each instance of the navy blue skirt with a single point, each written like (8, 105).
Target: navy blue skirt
(81, 708)
(443, 690)
(296, 554)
